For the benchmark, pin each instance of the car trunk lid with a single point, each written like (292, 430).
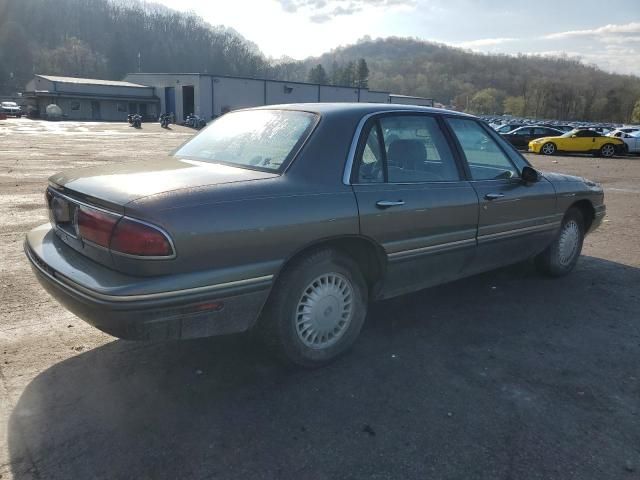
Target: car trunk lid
(114, 186)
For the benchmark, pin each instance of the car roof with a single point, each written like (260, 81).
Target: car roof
(362, 108)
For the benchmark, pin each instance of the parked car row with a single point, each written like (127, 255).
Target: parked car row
(547, 140)
(505, 124)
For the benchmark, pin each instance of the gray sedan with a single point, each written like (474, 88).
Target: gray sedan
(289, 220)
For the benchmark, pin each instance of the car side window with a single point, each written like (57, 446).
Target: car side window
(370, 162)
(486, 159)
(585, 133)
(417, 150)
(524, 132)
(542, 131)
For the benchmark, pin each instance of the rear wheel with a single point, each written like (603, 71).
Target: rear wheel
(548, 148)
(607, 150)
(562, 255)
(316, 310)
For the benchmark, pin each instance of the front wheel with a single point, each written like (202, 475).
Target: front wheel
(561, 256)
(316, 310)
(548, 148)
(607, 150)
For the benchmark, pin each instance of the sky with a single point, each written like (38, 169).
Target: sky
(606, 34)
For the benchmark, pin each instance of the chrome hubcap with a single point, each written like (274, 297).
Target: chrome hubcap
(548, 148)
(608, 150)
(569, 241)
(324, 311)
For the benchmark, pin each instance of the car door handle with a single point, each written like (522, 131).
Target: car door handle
(389, 203)
(493, 196)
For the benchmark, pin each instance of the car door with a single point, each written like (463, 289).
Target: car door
(539, 132)
(521, 137)
(516, 220)
(413, 201)
(584, 141)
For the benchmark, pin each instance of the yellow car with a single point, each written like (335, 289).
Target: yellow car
(578, 141)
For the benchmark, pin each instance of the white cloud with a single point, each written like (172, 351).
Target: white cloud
(321, 11)
(485, 42)
(610, 30)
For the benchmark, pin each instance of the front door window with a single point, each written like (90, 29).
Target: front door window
(485, 158)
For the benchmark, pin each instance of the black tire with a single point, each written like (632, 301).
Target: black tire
(277, 325)
(553, 261)
(548, 148)
(607, 150)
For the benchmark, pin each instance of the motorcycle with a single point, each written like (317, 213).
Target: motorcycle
(165, 120)
(137, 120)
(194, 121)
(130, 118)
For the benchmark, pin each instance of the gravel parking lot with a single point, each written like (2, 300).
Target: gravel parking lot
(507, 375)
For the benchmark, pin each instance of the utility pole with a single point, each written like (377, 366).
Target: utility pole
(139, 62)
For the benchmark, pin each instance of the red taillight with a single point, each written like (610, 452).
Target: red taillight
(134, 238)
(96, 226)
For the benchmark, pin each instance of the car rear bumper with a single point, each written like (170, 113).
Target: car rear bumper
(208, 310)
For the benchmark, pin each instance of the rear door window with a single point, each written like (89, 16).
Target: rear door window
(370, 164)
(416, 150)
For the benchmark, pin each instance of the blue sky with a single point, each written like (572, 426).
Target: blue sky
(603, 33)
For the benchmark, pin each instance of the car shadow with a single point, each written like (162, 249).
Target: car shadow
(503, 375)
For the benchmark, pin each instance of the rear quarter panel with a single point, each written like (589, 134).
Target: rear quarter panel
(251, 228)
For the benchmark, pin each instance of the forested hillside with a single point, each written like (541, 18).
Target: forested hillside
(108, 38)
(101, 38)
(520, 85)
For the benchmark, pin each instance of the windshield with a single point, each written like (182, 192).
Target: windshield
(259, 139)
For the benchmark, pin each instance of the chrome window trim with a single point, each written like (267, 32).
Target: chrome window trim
(348, 168)
(346, 174)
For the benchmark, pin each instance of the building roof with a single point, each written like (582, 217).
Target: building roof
(274, 80)
(408, 96)
(91, 81)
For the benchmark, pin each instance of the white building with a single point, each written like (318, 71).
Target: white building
(211, 95)
(208, 96)
(90, 98)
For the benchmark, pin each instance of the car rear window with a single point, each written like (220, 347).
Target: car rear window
(258, 139)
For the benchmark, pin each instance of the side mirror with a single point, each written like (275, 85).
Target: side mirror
(530, 175)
